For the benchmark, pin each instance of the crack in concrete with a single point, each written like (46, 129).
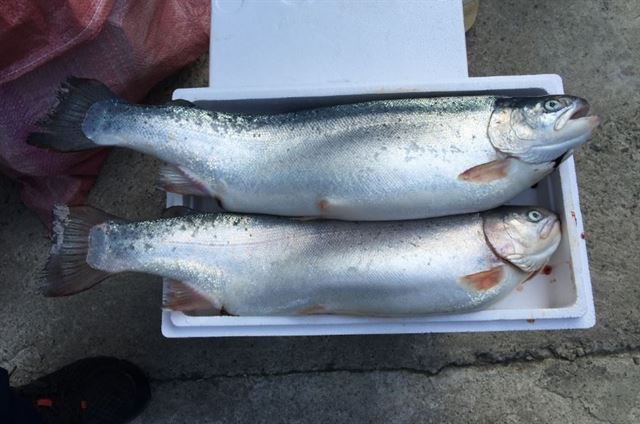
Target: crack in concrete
(520, 358)
(580, 400)
(591, 413)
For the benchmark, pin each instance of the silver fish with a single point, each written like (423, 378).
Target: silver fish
(263, 265)
(380, 160)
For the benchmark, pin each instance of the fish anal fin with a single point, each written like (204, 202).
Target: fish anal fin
(486, 172)
(182, 102)
(179, 296)
(178, 211)
(314, 309)
(305, 218)
(178, 180)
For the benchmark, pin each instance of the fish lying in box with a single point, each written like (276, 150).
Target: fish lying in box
(264, 265)
(379, 160)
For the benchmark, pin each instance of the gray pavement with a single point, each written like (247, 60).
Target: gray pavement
(561, 376)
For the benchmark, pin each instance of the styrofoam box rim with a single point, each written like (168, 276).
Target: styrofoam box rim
(579, 315)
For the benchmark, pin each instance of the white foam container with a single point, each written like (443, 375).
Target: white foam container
(561, 299)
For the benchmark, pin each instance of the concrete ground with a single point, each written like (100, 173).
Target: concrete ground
(535, 377)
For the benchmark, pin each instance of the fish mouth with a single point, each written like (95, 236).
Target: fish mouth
(548, 226)
(582, 114)
(574, 127)
(578, 113)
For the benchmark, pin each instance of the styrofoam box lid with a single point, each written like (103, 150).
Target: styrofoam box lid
(285, 43)
(309, 53)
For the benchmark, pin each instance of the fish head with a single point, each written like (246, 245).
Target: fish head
(540, 129)
(525, 236)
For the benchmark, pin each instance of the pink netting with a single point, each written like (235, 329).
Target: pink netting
(129, 45)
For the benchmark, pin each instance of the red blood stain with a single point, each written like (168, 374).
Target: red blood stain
(323, 204)
(547, 269)
(531, 321)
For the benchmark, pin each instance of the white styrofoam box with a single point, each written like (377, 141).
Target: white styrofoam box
(283, 55)
(314, 43)
(560, 300)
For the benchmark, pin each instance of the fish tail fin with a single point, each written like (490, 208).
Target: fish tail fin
(61, 130)
(67, 271)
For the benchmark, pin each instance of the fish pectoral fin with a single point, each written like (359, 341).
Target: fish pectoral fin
(486, 172)
(180, 296)
(178, 180)
(483, 280)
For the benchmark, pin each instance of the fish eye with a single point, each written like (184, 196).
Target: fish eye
(534, 215)
(552, 105)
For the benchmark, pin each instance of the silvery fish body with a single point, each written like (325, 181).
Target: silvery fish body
(264, 265)
(397, 159)
(379, 160)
